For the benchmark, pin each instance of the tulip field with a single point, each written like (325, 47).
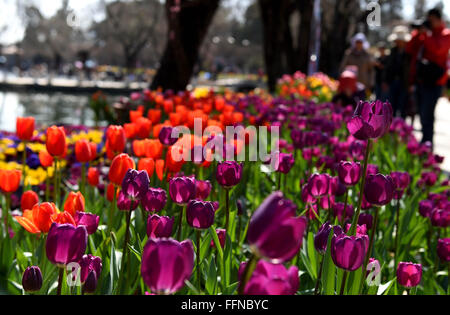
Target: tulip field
(346, 202)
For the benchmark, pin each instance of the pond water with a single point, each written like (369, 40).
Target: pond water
(46, 108)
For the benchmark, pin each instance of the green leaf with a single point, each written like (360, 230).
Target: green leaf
(329, 271)
(211, 279)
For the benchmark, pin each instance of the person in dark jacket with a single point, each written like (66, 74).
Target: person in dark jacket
(396, 74)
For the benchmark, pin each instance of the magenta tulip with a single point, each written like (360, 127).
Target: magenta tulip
(32, 279)
(167, 264)
(348, 252)
(271, 279)
(202, 189)
(65, 243)
(370, 120)
(154, 200)
(89, 263)
(274, 231)
(318, 185)
(229, 173)
(409, 274)
(89, 220)
(349, 172)
(182, 189)
(443, 249)
(200, 214)
(379, 189)
(159, 226)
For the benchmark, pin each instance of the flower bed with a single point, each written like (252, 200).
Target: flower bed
(347, 203)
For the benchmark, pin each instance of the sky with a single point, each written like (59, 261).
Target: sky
(85, 10)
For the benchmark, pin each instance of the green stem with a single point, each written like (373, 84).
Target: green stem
(125, 249)
(198, 233)
(47, 186)
(369, 251)
(6, 212)
(111, 211)
(180, 223)
(316, 289)
(279, 181)
(83, 178)
(352, 230)
(345, 208)
(60, 280)
(24, 162)
(397, 221)
(344, 280)
(55, 182)
(227, 209)
(249, 268)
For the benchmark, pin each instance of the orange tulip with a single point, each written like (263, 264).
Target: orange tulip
(119, 166)
(168, 106)
(39, 219)
(10, 180)
(139, 148)
(147, 164)
(153, 148)
(45, 158)
(85, 151)
(130, 130)
(56, 141)
(116, 138)
(143, 127)
(135, 115)
(160, 169)
(93, 176)
(64, 218)
(154, 115)
(28, 200)
(175, 119)
(74, 202)
(25, 128)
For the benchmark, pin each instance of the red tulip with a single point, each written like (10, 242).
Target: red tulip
(45, 158)
(85, 151)
(116, 138)
(74, 202)
(119, 166)
(10, 180)
(25, 128)
(93, 176)
(28, 200)
(56, 141)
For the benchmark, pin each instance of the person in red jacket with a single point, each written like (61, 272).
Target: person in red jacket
(429, 47)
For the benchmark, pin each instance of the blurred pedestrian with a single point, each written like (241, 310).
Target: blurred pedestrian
(381, 88)
(358, 55)
(350, 91)
(396, 74)
(430, 45)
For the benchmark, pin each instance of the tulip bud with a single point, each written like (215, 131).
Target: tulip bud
(379, 189)
(89, 220)
(443, 249)
(349, 172)
(284, 163)
(165, 136)
(200, 214)
(409, 274)
(229, 173)
(90, 285)
(274, 231)
(365, 219)
(116, 139)
(65, 243)
(28, 200)
(56, 141)
(167, 264)
(93, 176)
(89, 263)
(154, 200)
(10, 180)
(32, 279)
(271, 279)
(348, 252)
(321, 238)
(135, 184)
(318, 185)
(25, 128)
(158, 227)
(182, 189)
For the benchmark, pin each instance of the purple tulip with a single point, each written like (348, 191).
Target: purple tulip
(32, 279)
(159, 226)
(222, 235)
(379, 189)
(284, 162)
(135, 184)
(154, 200)
(338, 210)
(443, 249)
(65, 243)
(271, 279)
(318, 185)
(425, 208)
(274, 231)
(370, 120)
(89, 263)
(202, 189)
(409, 274)
(349, 172)
(440, 217)
(167, 264)
(89, 220)
(365, 219)
(361, 230)
(90, 285)
(401, 182)
(200, 214)
(372, 169)
(165, 136)
(321, 238)
(348, 252)
(126, 204)
(229, 173)
(182, 189)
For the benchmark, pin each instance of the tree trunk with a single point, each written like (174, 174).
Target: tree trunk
(187, 26)
(304, 38)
